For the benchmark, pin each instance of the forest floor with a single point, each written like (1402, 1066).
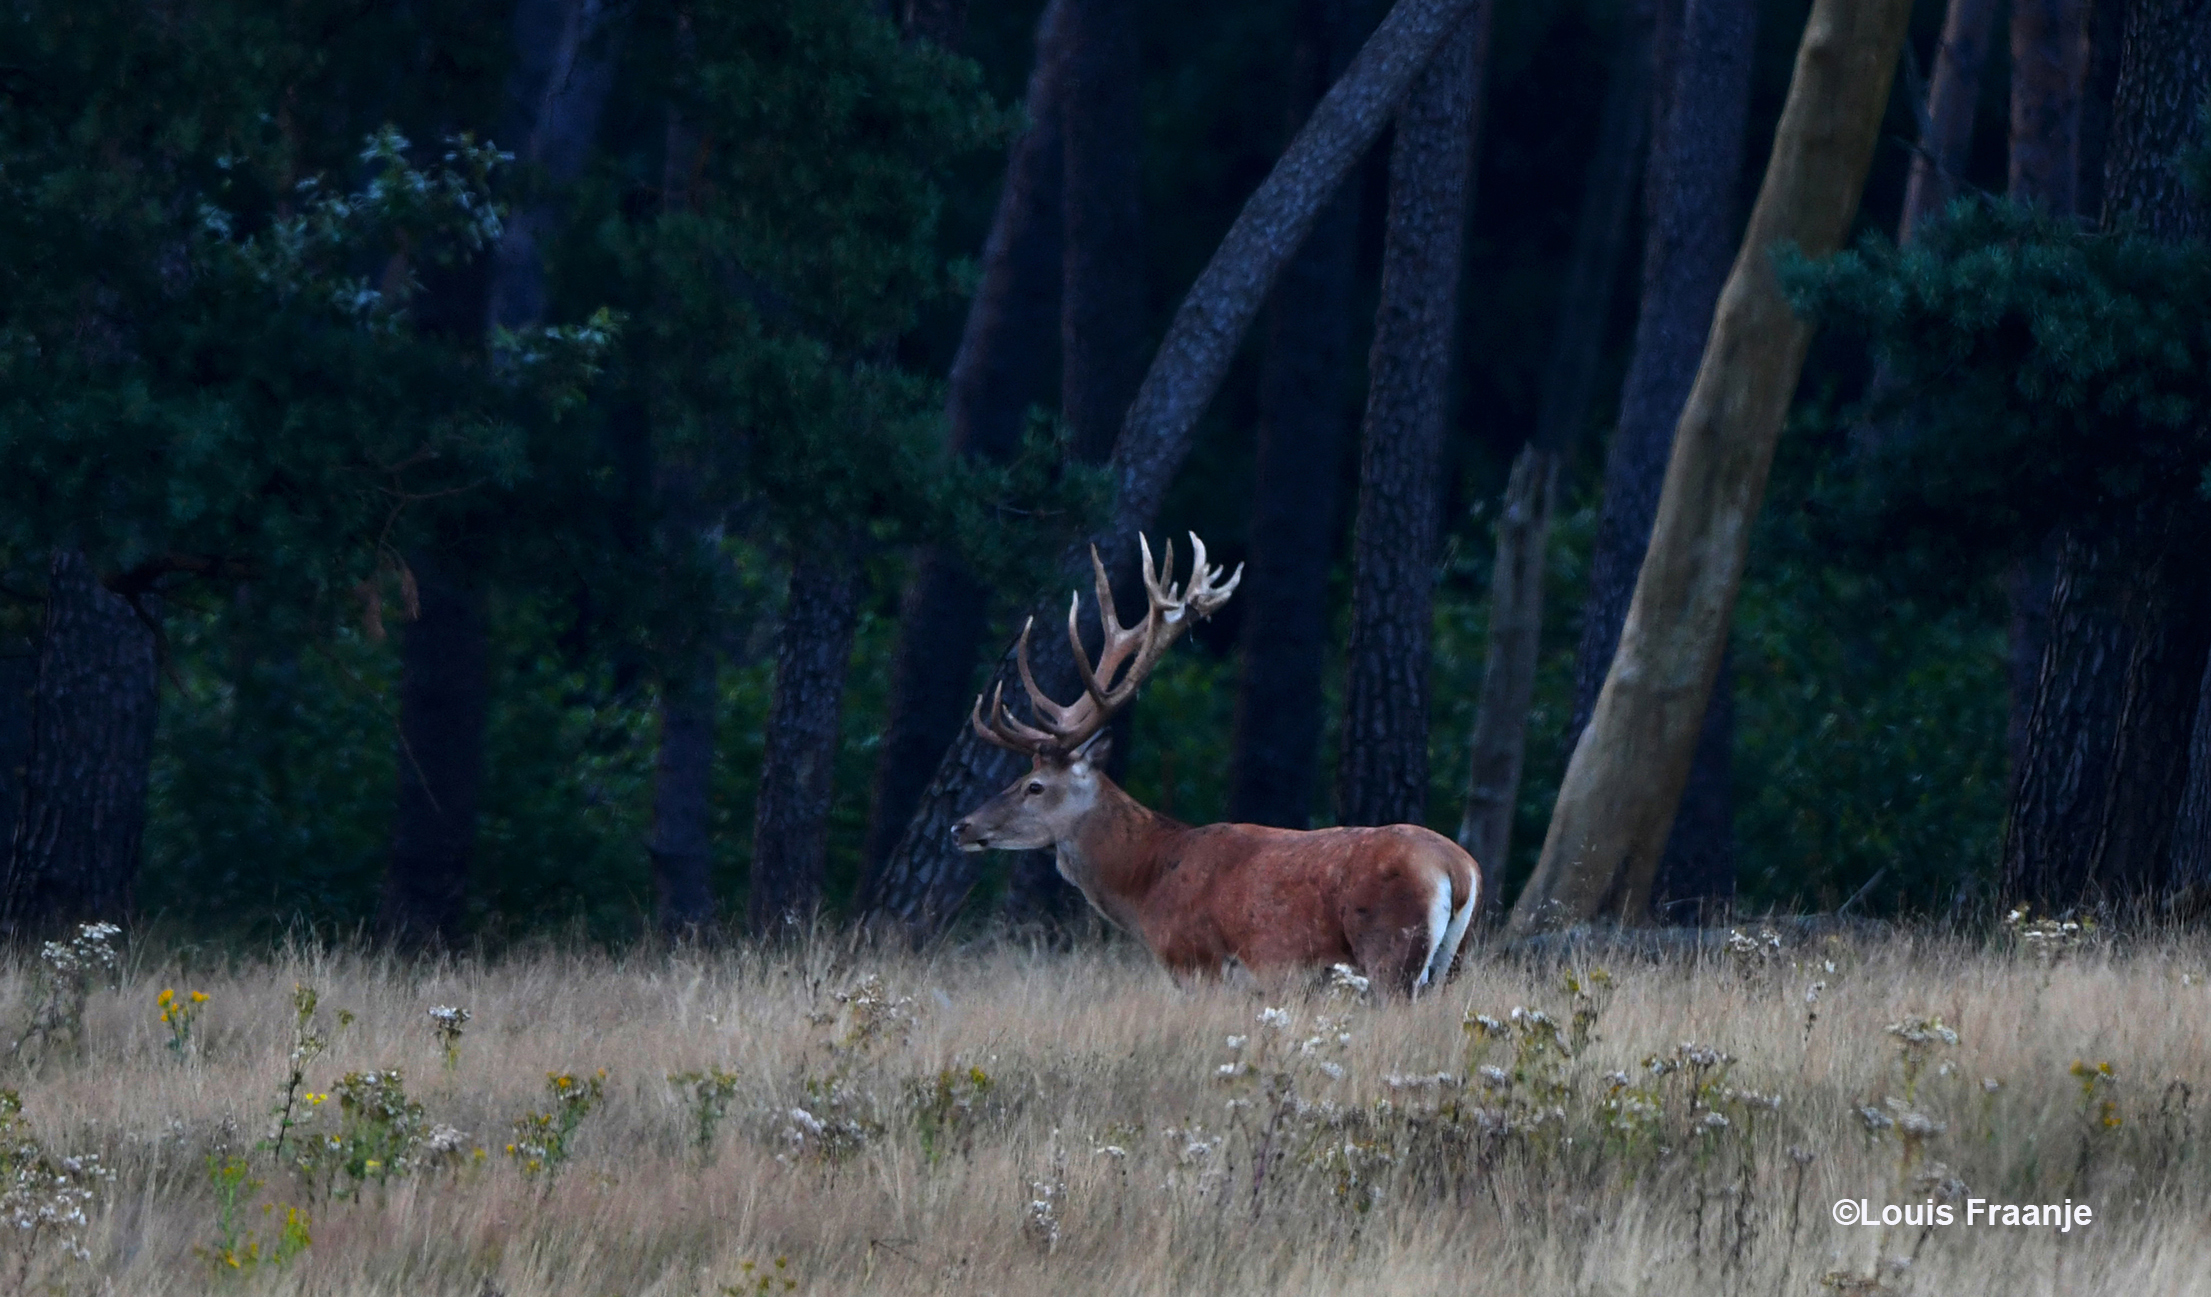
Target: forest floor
(1010, 1120)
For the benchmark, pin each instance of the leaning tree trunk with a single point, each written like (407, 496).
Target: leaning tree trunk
(1275, 752)
(1382, 774)
(1704, 52)
(1625, 780)
(1012, 326)
(555, 94)
(790, 818)
(443, 690)
(2095, 807)
(82, 813)
(1498, 746)
(927, 878)
(1101, 303)
(1946, 132)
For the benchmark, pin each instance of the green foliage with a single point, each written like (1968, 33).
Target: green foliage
(542, 1140)
(2034, 372)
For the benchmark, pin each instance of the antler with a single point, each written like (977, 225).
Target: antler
(1062, 729)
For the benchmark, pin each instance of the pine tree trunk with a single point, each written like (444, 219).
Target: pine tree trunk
(790, 819)
(1947, 132)
(1012, 326)
(2097, 806)
(682, 847)
(1299, 455)
(2049, 67)
(1101, 303)
(927, 878)
(1382, 777)
(2189, 885)
(1624, 784)
(1498, 747)
(74, 853)
(18, 685)
(1703, 59)
(444, 689)
(555, 94)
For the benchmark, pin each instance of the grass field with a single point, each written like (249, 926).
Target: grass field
(1007, 1120)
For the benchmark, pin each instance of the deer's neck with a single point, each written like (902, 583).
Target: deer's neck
(1117, 853)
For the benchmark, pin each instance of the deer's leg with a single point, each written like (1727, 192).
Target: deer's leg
(1395, 925)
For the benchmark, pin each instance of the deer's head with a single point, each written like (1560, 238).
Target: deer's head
(1066, 746)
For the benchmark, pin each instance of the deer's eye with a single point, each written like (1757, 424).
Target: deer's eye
(1036, 789)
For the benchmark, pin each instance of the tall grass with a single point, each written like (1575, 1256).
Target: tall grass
(1005, 1120)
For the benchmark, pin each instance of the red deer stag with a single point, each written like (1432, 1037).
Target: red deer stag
(1392, 902)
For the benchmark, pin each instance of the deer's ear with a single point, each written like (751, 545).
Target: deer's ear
(1096, 749)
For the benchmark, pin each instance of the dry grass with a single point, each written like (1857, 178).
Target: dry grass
(956, 1187)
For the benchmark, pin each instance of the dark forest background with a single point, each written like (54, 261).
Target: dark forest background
(722, 416)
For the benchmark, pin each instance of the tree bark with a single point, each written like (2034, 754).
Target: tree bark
(2189, 888)
(1625, 780)
(1946, 134)
(1006, 345)
(444, 689)
(1382, 776)
(1101, 301)
(1498, 746)
(2096, 807)
(2049, 65)
(1703, 57)
(790, 820)
(82, 809)
(1275, 751)
(927, 878)
(1102, 292)
(555, 93)
(18, 687)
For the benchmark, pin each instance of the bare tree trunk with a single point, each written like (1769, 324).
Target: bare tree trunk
(555, 94)
(1298, 457)
(790, 819)
(1500, 741)
(443, 693)
(1946, 135)
(927, 878)
(1498, 746)
(1704, 53)
(1012, 326)
(1382, 777)
(2096, 806)
(1624, 783)
(81, 817)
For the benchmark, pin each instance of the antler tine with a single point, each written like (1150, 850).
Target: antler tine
(1054, 716)
(1206, 591)
(1003, 730)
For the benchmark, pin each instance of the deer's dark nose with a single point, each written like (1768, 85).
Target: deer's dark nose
(967, 837)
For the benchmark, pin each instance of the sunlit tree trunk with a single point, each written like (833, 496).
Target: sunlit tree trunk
(1623, 785)
(927, 878)
(1689, 203)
